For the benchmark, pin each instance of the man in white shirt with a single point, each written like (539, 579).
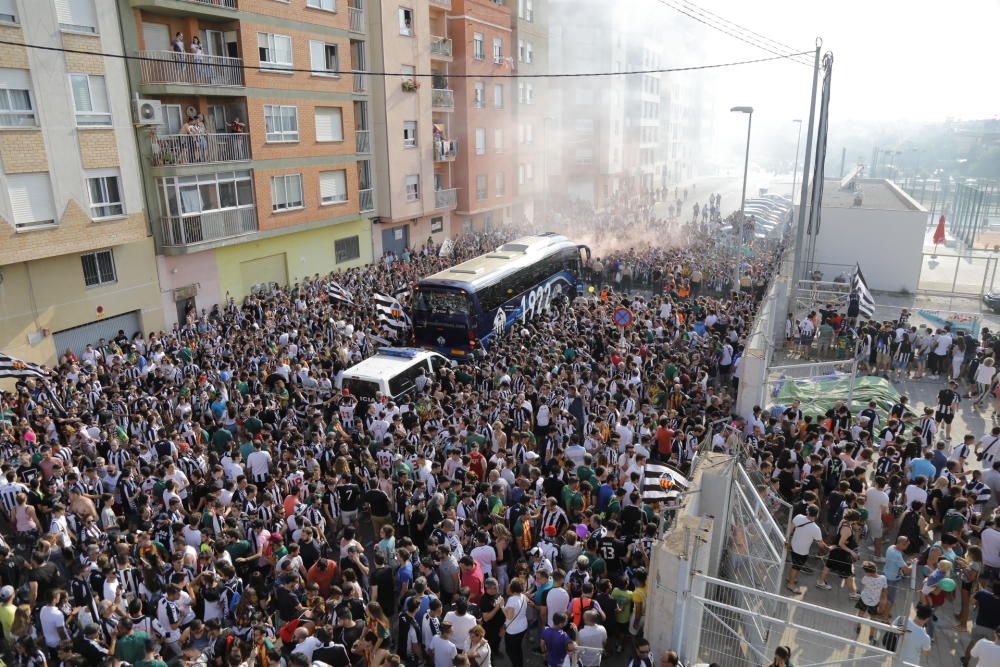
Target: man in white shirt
(461, 622)
(484, 554)
(988, 651)
(443, 649)
(53, 624)
(877, 503)
(805, 532)
(915, 642)
(592, 638)
(258, 463)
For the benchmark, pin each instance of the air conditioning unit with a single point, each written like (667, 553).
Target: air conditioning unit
(148, 112)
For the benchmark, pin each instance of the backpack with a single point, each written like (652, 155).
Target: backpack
(577, 609)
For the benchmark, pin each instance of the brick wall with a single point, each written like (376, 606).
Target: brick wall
(10, 55)
(79, 63)
(312, 209)
(98, 148)
(75, 233)
(23, 151)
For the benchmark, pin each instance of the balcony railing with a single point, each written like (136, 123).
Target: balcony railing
(446, 4)
(199, 70)
(440, 46)
(360, 82)
(446, 198)
(445, 150)
(225, 4)
(363, 141)
(179, 149)
(211, 226)
(357, 19)
(366, 200)
(442, 98)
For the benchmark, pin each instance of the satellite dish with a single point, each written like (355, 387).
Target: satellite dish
(192, 111)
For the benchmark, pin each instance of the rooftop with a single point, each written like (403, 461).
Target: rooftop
(879, 195)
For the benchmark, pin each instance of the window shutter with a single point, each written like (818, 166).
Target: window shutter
(81, 93)
(16, 79)
(84, 13)
(31, 198)
(283, 48)
(333, 186)
(317, 54)
(7, 9)
(329, 126)
(99, 94)
(63, 12)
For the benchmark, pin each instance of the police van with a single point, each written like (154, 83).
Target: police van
(391, 373)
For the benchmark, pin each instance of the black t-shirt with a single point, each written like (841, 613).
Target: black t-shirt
(349, 496)
(612, 550)
(988, 615)
(47, 578)
(309, 551)
(378, 502)
(486, 604)
(12, 571)
(382, 577)
(287, 602)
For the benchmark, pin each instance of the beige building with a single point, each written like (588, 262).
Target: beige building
(76, 257)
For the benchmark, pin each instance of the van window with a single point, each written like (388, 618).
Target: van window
(405, 382)
(437, 363)
(364, 390)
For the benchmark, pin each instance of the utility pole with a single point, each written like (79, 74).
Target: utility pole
(800, 232)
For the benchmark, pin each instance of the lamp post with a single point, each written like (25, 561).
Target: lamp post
(795, 168)
(742, 229)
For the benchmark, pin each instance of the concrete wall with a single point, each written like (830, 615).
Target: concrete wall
(887, 244)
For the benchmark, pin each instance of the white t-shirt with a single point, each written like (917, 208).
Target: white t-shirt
(485, 555)
(460, 626)
(989, 541)
(871, 589)
(556, 600)
(258, 463)
(51, 619)
(804, 533)
(444, 651)
(594, 637)
(518, 623)
(984, 374)
(914, 492)
(988, 653)
(875, 500)
(943, 345)
(913, 643)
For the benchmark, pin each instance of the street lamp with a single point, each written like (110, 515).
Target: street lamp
(795, 168)
(746, 165)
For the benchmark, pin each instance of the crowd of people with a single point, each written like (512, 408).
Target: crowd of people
(207, 495)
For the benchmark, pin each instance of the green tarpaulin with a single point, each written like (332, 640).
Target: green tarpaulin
(817, 395)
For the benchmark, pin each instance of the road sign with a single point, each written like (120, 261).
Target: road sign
(622, 316)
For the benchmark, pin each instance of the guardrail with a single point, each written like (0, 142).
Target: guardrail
(445, 150)
(360, 82)
(363, 141)
(366, 200)
(446, 198)
(181, 149)
(442, 98)
(441, 46)
(190, 68)
(357, 19)
(181, 231)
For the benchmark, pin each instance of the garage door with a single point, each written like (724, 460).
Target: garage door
(77, 338)
(269, 269)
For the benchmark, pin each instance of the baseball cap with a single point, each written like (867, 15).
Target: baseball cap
(6, 593)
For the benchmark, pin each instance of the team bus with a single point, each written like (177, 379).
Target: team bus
(462, 308)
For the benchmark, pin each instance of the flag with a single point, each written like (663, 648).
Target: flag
(15, 368)
(378, 340)
(391, 316)
(866, 304)
(447, 247)
(661, 483)
(939, 234)
(402, 294)
(338, 293)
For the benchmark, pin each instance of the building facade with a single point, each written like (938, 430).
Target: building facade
(533, 118)
(75, 250)
(274, 182)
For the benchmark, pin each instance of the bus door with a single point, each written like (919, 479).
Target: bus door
(583, 274)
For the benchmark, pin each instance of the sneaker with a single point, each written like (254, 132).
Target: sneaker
(854, 596)
(878, 559)
(824, 586)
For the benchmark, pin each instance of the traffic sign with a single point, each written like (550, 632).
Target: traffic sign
(622, 316)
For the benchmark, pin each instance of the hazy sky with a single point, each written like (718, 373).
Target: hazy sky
(895, 62)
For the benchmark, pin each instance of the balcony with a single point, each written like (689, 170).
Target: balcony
(444, 4)
(225, 4)
(357, 19)
(363, 141)
(191, 69)
(445, 150)
(360, 82)
(366, 200)
(440, 48)
(442, 99)
(446, 198)
(207, 8)
(179, 232)
(173, 150)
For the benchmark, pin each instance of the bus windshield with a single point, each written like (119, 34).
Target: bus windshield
(432, 302)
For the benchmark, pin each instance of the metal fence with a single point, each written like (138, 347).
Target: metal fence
(181, 149)
(198, 69)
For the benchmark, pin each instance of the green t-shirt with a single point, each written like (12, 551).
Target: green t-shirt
(239, 549)
(586, 474)
(150, 663)
(623, 604)
(253, 426)
(571, 500)
(221, 439)
(131, 647)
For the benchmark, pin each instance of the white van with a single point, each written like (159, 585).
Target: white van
(392, 373)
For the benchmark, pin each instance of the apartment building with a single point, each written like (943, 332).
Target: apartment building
(276, 183)
(75, 252)
(644, 162)
(483, 43)
(415, 140)
(588, 145)
(532, 114)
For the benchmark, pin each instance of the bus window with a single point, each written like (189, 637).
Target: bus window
(441, 303)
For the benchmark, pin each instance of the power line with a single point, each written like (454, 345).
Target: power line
(695, 8)
(190, 61)
(721, 29)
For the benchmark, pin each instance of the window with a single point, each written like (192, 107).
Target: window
(529, 52)
(31, 200)
(499, 189)
(333, 187)
(98, 268)
(328, 5)
(344, 250)
(105, 193)
(498, 95)
(77, 15)
(529, 93)
(584, 126)
(520, 9)
(325, 58)
(194, 195)
(281, 123)
(405, 21)
(408, 72)
(520, 92)
(286, 192)
(498, 50)
(480, 141)
(529, 171)
(479, 95)
(409, 133)
(520, 174)
(482, 189)
(329, 124)
(529, 133)
(584, 156)
(437, 225)
(412, 187)
(274, 51)
(498, 140)
(478, 47)
(8, 12)
(520, 50)
(16, 107)
(90, 99)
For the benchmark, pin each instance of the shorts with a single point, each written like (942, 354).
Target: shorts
(875, 527)
(868, 609)
(890, 591)
(799, 560)
(990, 573)
(349, 518)
(946, 418)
